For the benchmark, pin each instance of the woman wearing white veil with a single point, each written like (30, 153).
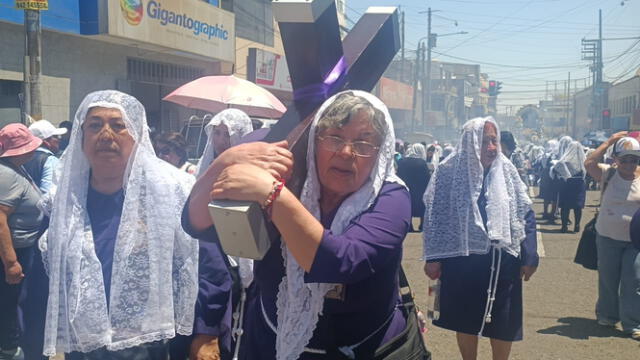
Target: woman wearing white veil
(548, 185)
(478, 218)
(414, 171)
(223, 132)
(331, 289)
(572, 193)
(122, 273)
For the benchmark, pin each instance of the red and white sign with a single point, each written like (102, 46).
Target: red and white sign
(269, 70)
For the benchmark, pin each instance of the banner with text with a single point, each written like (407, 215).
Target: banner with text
(268, 70)
(186, 25)
(32, 4)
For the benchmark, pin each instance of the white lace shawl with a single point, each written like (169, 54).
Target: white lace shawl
(239, 125)
(563, 144)
(571, 163)
(452, 221)
(155, 263)
(437, 153)
(300, 304)
(417, 151)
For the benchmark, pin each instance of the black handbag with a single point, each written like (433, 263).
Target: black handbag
(408, 345)
(587, 252)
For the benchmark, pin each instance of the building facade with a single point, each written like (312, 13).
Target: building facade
(147, 50)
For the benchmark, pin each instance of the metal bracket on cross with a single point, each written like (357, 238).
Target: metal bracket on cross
(320, 65)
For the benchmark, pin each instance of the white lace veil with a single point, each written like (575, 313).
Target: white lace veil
(155, 263)
(452, 221)
(300, 304)
(563, 145)
(572, 162)
(417, 151)
(447, 150)
(239, 125)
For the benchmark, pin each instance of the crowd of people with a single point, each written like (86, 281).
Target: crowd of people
(109, 251)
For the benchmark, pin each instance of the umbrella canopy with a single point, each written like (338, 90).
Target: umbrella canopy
(216, 93)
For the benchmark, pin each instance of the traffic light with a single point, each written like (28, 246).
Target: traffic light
(606, 118)
(492, 88)
(498, 87)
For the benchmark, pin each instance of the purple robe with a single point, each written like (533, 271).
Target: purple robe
(365, 260)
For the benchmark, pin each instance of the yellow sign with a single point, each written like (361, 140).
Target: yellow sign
(32, 4)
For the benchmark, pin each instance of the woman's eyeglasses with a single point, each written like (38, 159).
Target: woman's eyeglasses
(358, 148)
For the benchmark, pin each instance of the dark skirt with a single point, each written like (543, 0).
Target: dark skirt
(550, 188)
(415, 173)
(573, 193)
(463, 297)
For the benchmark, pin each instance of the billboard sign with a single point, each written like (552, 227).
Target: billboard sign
(185, 25)
(268, 70)
(32, 4)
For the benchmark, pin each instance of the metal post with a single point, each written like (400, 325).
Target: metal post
(33, 61)
(429, 46)
(402, 48)
(567, 109)
(416, 76)
(598, 86)
(425, 90)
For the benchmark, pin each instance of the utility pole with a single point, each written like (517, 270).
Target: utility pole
(430, 45)
(402, 49)
(416, 76)
(567, 109)
(425, 88)
(32, 65)
(599, 68)
(599, 86)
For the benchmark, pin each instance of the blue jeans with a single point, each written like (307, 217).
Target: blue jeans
(618, 283)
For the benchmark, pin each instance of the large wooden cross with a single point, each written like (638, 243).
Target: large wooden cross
(320, 65)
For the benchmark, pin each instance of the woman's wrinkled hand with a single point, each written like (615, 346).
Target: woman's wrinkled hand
(526, 272)
(13, 273)
(243, 182)
(204, 347)
(433, 270)
(275, 158)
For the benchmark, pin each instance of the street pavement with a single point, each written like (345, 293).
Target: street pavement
(559, 302)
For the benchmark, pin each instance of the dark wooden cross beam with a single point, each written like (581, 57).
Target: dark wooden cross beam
(320, 65)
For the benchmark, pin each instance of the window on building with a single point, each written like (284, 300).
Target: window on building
(160, 73)
(254, 20)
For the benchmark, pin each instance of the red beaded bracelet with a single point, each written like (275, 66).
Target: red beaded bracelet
(267, 206)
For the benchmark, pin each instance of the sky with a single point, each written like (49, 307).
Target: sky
(529, 45)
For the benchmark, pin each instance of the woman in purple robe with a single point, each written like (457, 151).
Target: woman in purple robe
(480, 241)
(329, 289)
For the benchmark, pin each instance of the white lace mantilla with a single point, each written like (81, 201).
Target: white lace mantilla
(238, 123)
(452, 221)
(571, 163)
(155, 264)
(300, 304)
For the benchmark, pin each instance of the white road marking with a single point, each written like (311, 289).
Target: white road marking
(541, 252)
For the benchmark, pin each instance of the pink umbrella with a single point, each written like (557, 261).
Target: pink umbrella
(216, 93)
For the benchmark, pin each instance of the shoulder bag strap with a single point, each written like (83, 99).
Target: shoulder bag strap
(605, 182)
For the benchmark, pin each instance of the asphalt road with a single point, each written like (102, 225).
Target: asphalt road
(559, 319)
